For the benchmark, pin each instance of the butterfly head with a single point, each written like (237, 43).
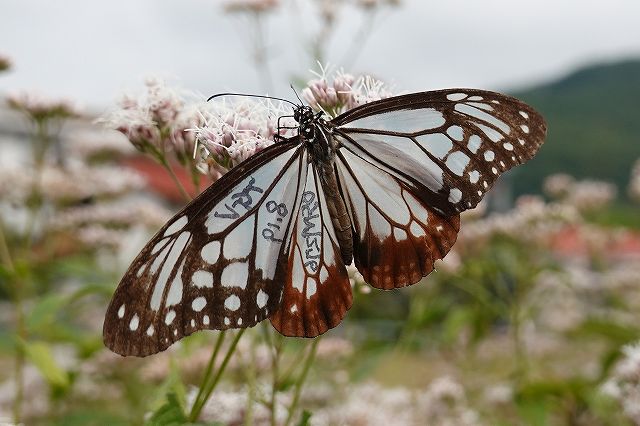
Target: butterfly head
(305, 117)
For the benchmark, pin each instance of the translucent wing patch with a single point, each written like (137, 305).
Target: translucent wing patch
(213, 266)
(452, 143)
(397, 235)
(317, 292)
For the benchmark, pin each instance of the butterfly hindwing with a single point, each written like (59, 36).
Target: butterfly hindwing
(317, 291)
(397, 235)
(452, 143)
(213, 266)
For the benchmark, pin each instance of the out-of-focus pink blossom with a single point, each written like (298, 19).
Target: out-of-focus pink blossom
(5, 62)
(256, 6)
(39, 107)
(634, 183)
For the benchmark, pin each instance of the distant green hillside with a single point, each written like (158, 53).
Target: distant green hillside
(593, 116)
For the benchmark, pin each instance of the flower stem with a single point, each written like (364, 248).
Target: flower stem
(175, 179)
(209, 386)
(303, 377)
(5, 255)
(209, 369)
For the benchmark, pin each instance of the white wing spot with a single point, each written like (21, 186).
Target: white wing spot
(399, 234)
(311, 287)
(324, 274)
(436, 143)
(455, 195)
(134, 323)
(150, 330)
(494, 170)
(261, 299)
(480, 193)
(456, 96)
(475, 98)
(439, 228)
(456, 133)
(171, 315)
(167, 268)
(525, 128)
(235, 275)
(232, 303)
(524, 114)
(502, 164)
(485, 184)
(175, 332)
(211, 252)
(227, 321)
(193, 323)
(521, 141)
(508, 146)
(198, 304)
(489, 155)
(205, 320)
(238, 243)
(457, 161)
(416, 230)
(239, 321)
(176, 226)
(140, 271)
(474, 176)
(491, 133)
(175, 291)
(202, 279)
(121, 311)
(474, 143)
(294, 309)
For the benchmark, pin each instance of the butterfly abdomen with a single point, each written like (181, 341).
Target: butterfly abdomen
(339, 216)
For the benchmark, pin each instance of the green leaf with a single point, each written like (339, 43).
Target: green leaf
(40, 355)
(169, 414)
(305, 418)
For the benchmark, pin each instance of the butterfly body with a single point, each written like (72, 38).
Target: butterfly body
(381, 184)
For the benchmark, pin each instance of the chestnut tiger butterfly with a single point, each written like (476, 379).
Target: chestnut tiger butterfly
(382, 184)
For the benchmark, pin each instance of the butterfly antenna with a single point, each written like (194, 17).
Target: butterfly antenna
(296, 93)
(250, 96)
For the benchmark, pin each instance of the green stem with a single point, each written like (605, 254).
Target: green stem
(175, 179)
(275, 382)
(300, 382)
(206, 394)
(208, 371)
(21, 332)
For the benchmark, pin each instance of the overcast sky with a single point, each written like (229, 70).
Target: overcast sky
(92, 51)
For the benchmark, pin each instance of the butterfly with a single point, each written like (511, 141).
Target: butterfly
(381, 185)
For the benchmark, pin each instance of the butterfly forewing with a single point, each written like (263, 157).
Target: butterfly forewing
(213, 266)
(317, 292)
(452, 143)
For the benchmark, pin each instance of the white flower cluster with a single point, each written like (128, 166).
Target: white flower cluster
(232, 132)
(335, 93)
(443, 403)
(157, 121)
(623, 384)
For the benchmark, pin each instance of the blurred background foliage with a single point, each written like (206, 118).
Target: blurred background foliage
(532, 319)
